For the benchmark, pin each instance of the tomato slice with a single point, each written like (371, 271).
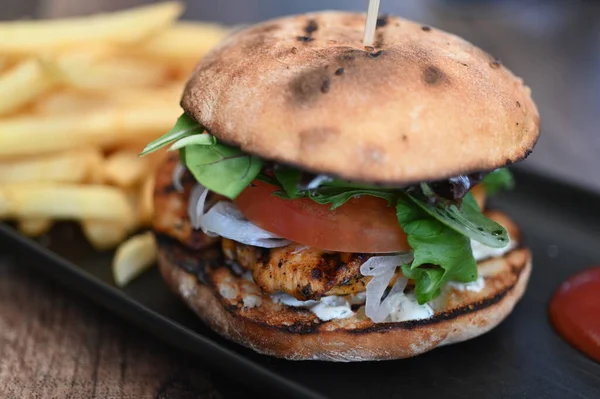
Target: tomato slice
(364, 224)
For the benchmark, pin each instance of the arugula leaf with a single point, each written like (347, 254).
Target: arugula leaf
(197, 139)
(498, 180)
(335, 192)
(339, 196)
(440, 253)
(289, 180)
(467, 220)
(269, 180)
(184, 127)
(220, 168)
(350, 184)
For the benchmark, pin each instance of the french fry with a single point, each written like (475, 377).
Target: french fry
(125, 168)
(67, 102)
(65, 202)
(96, 170)
(100, 68)
(21, 84)
(79, 100)
(104, 235)
(64, 167)
(166, 94)
(34, 227)
(134, 222)
(133, 257)
(146, 201)
(183, 44)
(125, 27)
(29, 135)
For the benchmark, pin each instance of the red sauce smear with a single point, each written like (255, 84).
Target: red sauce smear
(575, 311)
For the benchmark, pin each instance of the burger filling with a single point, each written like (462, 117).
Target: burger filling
(333, 246)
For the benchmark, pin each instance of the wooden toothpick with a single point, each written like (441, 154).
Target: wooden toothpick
(371, 23)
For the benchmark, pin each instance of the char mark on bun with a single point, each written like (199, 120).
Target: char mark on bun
(322, 192)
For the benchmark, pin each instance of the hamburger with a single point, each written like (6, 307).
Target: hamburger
(324, 200)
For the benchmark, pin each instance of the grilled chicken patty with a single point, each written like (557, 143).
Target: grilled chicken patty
(302, 272)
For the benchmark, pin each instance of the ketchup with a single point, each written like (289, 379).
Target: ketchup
(575, 311)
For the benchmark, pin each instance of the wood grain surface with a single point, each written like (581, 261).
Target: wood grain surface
(54, 344)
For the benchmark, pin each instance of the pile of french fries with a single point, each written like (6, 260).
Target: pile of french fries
(79, 100)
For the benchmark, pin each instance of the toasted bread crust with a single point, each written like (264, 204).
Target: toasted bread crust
(237, 309)
(422, 105)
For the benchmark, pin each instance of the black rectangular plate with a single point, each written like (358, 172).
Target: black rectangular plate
(523, 357)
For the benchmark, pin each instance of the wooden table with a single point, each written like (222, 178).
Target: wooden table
(56, 344)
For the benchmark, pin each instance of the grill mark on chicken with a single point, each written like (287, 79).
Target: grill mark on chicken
(304, 273)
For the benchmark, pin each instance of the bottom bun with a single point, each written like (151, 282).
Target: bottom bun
(236, 308)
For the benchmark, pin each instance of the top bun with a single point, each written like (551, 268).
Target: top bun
(421, 105)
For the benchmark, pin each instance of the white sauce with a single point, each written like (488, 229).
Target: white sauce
(405, 307)
(327, 308)
(252, 301)
(228, 291)
(481, 251)
(474, 286)
(332, 307)
(289, 300)
(358, 299)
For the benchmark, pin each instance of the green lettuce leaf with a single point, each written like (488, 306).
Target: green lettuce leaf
(467, 219)
(225, 170)
(220, 168)
(441, 254)
(184, 127)
(498, 180)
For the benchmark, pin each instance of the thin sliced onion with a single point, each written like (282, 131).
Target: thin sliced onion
(200, 208)
(300, 249)
(387, 305)
(317, 181)
(195, 204)
(225, 219)
(382, 269)
(178, 172)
